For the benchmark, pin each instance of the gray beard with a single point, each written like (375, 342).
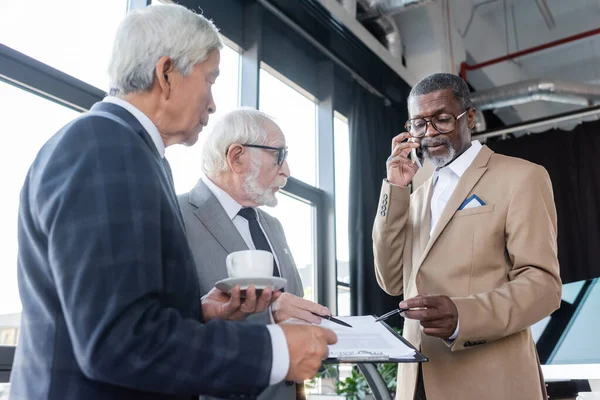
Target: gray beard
(440, 161)
(263, 197)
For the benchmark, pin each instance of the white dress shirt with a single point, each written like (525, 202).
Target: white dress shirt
(281, 356)
(445, 180)
(232, 208)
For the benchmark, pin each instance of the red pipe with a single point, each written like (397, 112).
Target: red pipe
(464, 67)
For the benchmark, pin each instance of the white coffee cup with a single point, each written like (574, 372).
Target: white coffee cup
(249, 264)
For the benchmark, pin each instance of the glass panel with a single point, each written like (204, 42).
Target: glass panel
(342, 187)
(580, 339)
(4, 391)
(73, 36)
(296, 116)
(185, 161)
(23, 137)
(538, 328)
(571, 290)
(297, 219)
(343, 301)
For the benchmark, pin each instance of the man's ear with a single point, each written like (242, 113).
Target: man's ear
(234, 157)
(471, 117)
(165, 67)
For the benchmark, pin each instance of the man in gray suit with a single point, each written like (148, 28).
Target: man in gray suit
(244, 162)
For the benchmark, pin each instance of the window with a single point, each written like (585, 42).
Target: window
(297, 219)
(185, 161)
(4, 391)
(342, 186)
(295, 113)
(73, 36)
(23, 137)
(578, 344)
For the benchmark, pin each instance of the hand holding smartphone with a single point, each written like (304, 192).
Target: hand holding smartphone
(404, 161)
(416, 155)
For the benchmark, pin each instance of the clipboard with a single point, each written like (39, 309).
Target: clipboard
(367, 357)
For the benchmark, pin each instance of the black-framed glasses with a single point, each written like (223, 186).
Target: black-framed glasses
(443, 123)
(282, 152)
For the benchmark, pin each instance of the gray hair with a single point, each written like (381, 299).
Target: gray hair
(441, 81)
(244, 125)
(150, 33)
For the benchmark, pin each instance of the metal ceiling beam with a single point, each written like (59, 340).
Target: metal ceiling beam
(38, 78)
(546, 13)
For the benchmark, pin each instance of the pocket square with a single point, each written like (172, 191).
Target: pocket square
(471, 202)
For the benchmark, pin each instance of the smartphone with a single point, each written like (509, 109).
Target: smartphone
(416, 155)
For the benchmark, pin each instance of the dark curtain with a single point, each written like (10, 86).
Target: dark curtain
(372, 126)
(571, 159)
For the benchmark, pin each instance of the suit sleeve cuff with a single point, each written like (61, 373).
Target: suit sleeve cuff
(455, 334)
(281, 355)
(385, 180)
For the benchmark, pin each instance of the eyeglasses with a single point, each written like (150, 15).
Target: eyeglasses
(282, 152)
(442, 122)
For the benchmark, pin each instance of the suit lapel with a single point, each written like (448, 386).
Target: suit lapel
(212, 215)
(463, 188)
(425, 216)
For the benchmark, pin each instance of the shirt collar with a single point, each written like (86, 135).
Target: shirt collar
(143, 119)
(462, 162)
(230, 206)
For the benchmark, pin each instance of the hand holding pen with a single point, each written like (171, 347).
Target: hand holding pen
(390, 314)
(438, 314)
(332, 319)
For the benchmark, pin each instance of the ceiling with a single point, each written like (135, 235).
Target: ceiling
(499, 27)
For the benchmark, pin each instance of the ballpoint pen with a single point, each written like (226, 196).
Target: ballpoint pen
(391, 313)
(332, 319)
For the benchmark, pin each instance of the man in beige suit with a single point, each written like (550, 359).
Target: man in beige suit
(473, 250)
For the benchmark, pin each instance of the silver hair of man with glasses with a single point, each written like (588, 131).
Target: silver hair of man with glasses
(473, 251)
(247, 151)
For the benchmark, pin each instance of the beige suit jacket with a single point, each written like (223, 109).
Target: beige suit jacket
(498, 263)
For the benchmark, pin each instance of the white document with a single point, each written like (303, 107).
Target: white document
(366, 339)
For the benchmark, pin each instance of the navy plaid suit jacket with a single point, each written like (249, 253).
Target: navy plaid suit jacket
(111, 301)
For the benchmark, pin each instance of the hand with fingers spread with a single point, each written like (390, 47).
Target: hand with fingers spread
(289, 306)
(217, 304)
(400, 169)
(438, 314)
(307, 346)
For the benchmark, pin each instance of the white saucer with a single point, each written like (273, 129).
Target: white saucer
(260, 282)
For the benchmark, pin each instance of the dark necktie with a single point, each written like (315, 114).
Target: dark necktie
(258, 237)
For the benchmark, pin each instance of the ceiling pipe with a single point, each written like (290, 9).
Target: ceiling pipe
(349, 6)
(379, 8)
(464, 67)
(393, 41)
(546, 13)
(392, 36)
(537, 90)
